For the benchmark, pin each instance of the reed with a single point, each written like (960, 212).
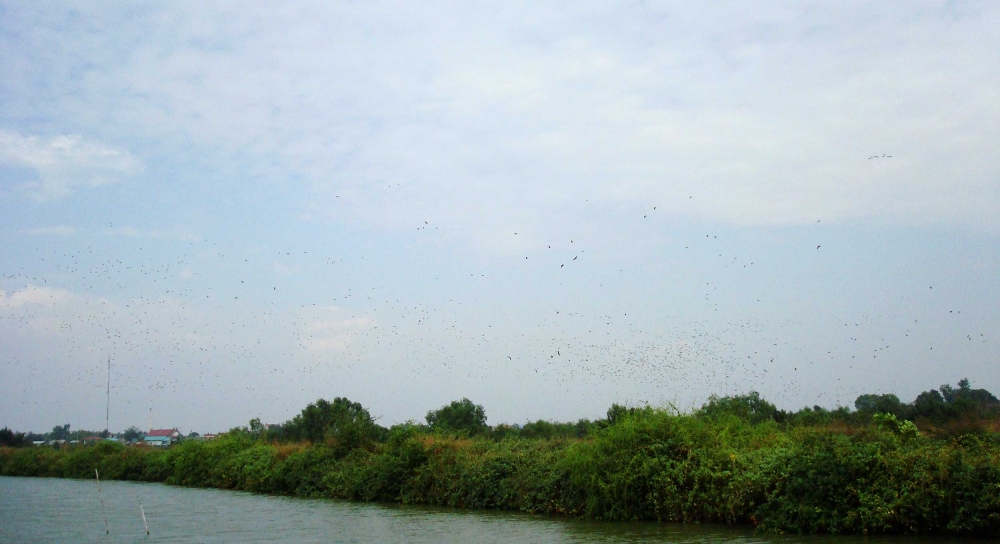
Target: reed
(100, 496)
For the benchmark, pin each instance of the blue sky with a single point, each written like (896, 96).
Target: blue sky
(545, 208)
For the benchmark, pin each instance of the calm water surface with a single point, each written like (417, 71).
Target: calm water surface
(57, 510)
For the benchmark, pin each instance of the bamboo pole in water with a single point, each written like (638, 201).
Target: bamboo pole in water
(144, 518)
(107, 531)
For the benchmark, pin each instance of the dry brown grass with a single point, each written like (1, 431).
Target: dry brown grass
(283, 451)
(432, 441)
(958, 427)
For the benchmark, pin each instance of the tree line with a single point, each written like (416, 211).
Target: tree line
(880, 468)
(948, 410)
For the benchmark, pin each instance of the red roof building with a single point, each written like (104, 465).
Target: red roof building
(173, 434)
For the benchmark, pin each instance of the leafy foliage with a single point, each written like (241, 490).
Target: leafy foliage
(12, 439)
(132, 434)
(879, 404)
(59, 432)
(461, 416)
(736, 460)
(750, 407)
(343, 425)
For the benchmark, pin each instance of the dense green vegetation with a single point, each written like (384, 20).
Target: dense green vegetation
(59, 432)
(885, 467)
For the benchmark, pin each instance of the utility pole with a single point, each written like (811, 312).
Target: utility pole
(107, 409)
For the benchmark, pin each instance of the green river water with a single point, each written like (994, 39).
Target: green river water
(58, 510)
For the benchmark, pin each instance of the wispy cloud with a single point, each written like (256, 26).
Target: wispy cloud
(483, 118)
(32, 295)
(64, 162)
(326, 332)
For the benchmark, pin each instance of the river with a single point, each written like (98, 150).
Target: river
(59, 510)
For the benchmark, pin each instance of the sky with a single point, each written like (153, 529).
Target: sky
(546, 208)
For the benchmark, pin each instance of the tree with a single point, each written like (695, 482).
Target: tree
(12, 439)
(929, 404)
(750, 407)
(949, 402)
(256, 427)
(461, 416)
(273, 433)
(950, 393)
(59, 433)
(617, 412)
(879, 404)
(132, 434)
(538, 429)
(341, 424)
(966, 395)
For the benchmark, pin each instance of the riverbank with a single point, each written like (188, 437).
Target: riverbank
(64, 510)
(651, 464)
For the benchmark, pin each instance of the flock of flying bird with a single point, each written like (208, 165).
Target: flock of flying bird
(248, 333)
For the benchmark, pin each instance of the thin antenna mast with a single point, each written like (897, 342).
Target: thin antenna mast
(107, 409)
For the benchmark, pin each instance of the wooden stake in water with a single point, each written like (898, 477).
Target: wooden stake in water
(144, 518)
(101, 497)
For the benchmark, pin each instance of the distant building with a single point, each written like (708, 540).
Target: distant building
(162, 437)
(157, 441)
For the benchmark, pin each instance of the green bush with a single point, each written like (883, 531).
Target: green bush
(733, 462)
